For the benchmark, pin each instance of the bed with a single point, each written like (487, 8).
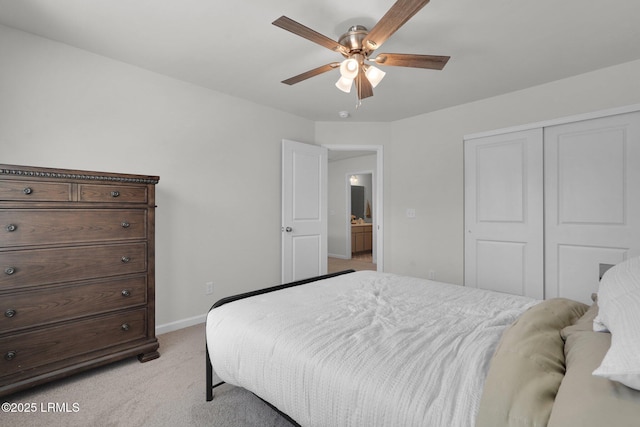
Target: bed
(376, 349)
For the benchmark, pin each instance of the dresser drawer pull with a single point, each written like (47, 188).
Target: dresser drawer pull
(27, 190)
(115, 194)
(126, 293)
(10, 313)
(10, 355)
(125, 224)
(11, 227)
(125, 259)
(125, 327)
(9, 271)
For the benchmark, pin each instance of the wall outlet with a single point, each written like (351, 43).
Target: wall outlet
(208, 288)
(411, 213)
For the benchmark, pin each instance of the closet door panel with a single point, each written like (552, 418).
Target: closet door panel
(592, 208)
(503, 213)
(501, 266)
(500, 176)
(591, 176)
(580, 264)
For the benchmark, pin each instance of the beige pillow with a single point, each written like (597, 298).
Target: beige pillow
(528, 366)
(583, 399)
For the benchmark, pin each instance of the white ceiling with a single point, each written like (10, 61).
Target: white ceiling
(496, 46)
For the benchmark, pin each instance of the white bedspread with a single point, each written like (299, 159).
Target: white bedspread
(364, 349)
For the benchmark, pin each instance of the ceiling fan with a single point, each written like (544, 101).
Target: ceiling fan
(357, 45)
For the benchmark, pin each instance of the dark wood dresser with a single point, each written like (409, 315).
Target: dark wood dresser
(76, 272)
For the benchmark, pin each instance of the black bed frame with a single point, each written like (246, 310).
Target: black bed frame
(209, 367)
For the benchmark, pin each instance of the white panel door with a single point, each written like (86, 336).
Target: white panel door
(592, 178)
(304, 206)
(504, 213)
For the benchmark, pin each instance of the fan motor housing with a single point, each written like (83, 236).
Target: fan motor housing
(353, 38)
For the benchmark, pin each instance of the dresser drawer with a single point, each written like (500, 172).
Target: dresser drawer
(28, 350)
(35, 308)
(115, 193)
(22, 268)
(35, 191)
(22, 227)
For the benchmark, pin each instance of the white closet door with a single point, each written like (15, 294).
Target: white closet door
(592, 215)
(504, 213)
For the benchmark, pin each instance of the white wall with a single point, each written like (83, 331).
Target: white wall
(423, 157)
(218, 158)
(219, 191)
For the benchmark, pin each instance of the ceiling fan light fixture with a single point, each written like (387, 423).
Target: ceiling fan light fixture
(344, 84)
(374, 75)
(349, 68)
(357, 45)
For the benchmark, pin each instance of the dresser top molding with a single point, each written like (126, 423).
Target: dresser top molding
(31, 171)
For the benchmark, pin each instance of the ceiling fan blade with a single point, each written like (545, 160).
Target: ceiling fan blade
(432, 62)
(309, 34)
(400, 12)
(365, 90)
(311, 73)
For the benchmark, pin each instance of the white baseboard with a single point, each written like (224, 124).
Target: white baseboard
(338, 256)
(180, 324)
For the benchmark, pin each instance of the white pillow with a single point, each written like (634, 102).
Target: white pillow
(619, 312)
(598, 325)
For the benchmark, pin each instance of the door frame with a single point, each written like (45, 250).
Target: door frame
(379, 194)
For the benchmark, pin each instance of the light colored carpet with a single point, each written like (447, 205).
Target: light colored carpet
(169, 391)
(357, 262)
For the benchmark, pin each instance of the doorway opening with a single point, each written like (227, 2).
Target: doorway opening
(355, 238)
